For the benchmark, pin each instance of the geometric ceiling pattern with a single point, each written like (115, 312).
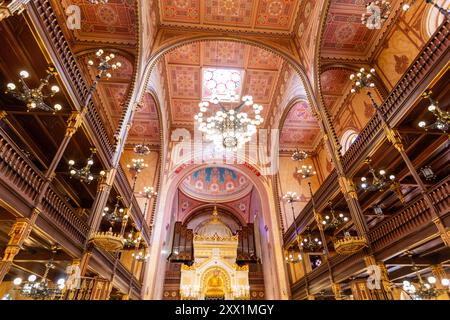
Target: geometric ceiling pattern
(145, 127)
(300, 128)
(111, 23)
(184, 69)
(345, 36)
(274, 16)
(333, 83)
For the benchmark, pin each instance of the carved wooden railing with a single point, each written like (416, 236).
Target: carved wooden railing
(411, 218)
(26, 179)
(43, 11)
(321, 196)
(45, 16)
(21, 175)
(89, 289)
(63, 215)
(427, 64)
(396, 229)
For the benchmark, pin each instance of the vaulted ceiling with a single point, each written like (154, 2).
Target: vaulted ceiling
(261, 68)
(257, 16)
(345, 37)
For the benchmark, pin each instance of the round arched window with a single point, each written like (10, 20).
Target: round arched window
(347, 139)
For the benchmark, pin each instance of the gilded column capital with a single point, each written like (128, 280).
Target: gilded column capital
(10, 252)
(73, 123)
(3, 113)
(19, 232)
(394, 137)
(348, 187)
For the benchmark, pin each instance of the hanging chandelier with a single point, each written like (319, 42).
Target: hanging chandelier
(306, 171)
(379, 180)
(137, 165)
(442, 121)
(133, 240)
(141, 256)
(309, 243)
(299, 155)
(105, 64)
(229, 128)
(293, 255)
(333, 219)
(362, 79)
(377, 12)
(42, 289)
(117, 215)
(423, 290)
(35, 97)
(141, 149)
(84, 174)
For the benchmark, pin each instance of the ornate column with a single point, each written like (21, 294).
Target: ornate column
(11, 7)
(103, 190)
(18, 234)
(346, 184)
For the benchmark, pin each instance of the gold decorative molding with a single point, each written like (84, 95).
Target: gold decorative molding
(215, 238)
(347, 187)
(3, 113)
(394, 137)
(108, 241)
(350, 244)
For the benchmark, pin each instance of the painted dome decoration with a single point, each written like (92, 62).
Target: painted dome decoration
(215, 183)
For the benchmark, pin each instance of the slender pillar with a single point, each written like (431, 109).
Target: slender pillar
(133, 264)
(103, 190)
(347, 187)
(394, 137)
(319, 219)
(18, 234)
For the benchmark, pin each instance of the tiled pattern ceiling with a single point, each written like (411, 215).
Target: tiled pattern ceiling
(146, 123)
(345, 36)
(300, 128)
(184, 68)
(334, 82)
(114, 22)
(245, 15)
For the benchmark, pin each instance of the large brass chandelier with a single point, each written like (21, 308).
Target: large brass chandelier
(442, 121)
(35, 97)
(229, 128)
(423, 290)
(84, 174)
(40, 289)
